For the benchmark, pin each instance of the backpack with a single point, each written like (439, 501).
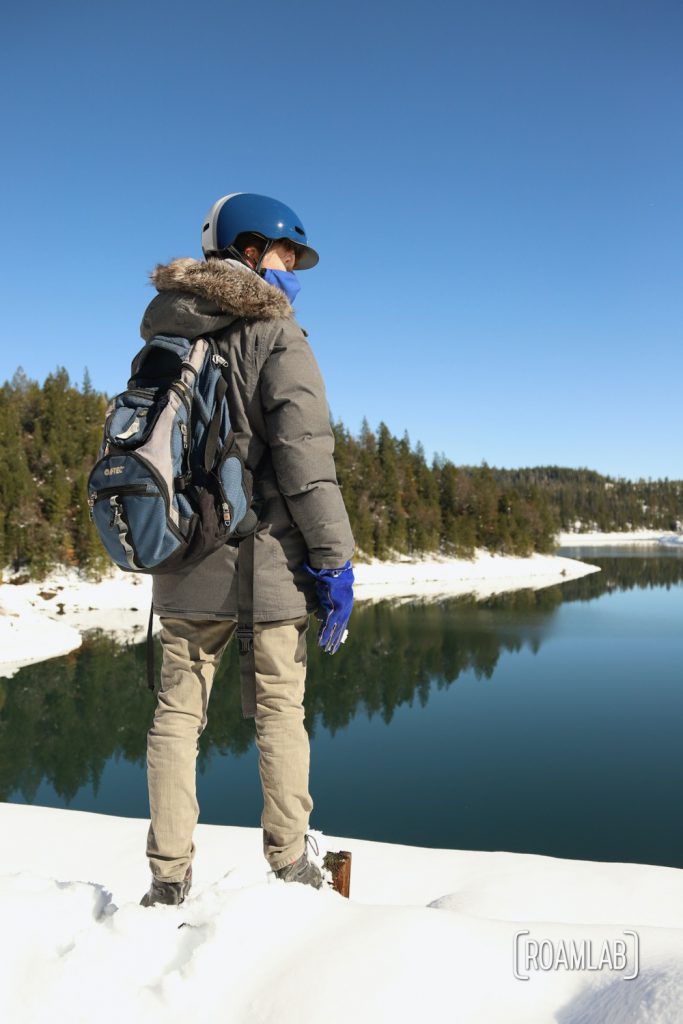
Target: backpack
(169, 486)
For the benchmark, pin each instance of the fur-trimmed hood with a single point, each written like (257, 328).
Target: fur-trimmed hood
(198, 297)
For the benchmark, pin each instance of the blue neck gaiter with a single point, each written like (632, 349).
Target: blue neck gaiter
(285, 280)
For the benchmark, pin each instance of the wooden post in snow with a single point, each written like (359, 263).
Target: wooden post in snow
(339, 866)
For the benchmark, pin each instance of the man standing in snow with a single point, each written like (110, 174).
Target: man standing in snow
(241, 295)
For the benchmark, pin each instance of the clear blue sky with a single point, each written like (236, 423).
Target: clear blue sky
(494, 187)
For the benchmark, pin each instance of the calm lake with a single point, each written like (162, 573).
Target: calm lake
(546, 722)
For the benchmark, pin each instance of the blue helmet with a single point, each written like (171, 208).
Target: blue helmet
(242, 212)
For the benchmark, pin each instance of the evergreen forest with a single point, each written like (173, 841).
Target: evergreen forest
(398, 500)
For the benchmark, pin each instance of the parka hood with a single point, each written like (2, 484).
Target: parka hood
(197, 297)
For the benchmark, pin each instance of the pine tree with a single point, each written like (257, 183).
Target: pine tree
(389, 497)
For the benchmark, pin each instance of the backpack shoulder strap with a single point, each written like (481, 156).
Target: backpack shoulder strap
(213, 432)
(245, 562)
(245, 624)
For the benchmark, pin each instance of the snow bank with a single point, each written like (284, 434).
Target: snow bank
(28, 636)
(47, 619)
(596, 539)
(43, 620)
(427, 934)
(482, 577)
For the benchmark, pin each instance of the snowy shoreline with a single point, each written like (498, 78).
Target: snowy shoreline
(49, 619)
(426, 934)
(633, 537)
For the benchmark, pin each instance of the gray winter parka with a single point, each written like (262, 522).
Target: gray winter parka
(279, 413)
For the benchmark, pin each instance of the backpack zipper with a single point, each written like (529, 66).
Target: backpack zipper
(126, 489)
(122, 526)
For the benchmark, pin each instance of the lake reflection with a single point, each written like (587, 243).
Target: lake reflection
(545, 721)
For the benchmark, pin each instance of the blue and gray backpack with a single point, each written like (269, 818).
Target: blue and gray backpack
(169, 486)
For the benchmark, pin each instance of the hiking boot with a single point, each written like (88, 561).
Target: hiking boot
(170, 893)
(302, 870)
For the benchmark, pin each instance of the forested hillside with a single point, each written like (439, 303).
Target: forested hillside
(49, 435)
(585, 500)
(397, 500)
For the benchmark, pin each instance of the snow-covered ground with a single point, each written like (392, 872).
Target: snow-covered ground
(672, 540)
(597, 539)
(47, 619)
(427, 934)
(486, 574)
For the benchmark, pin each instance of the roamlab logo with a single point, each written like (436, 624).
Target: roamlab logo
(620, 955)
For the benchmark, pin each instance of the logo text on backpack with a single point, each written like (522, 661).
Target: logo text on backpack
(113, 471)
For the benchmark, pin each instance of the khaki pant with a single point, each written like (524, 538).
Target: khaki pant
(191, 653)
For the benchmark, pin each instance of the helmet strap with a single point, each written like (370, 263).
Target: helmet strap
(268, 246)
(232, 252)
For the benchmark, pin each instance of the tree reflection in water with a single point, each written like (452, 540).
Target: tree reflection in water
(62, 720)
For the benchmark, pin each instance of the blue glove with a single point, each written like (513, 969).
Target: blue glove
(335, 593)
